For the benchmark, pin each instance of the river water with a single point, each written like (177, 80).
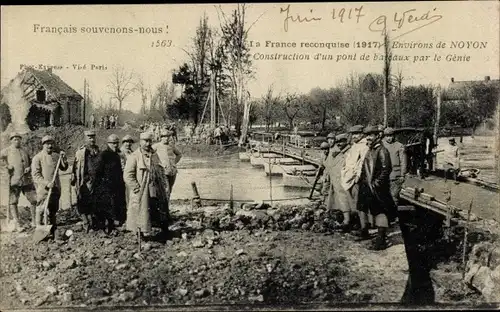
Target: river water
(214, 177)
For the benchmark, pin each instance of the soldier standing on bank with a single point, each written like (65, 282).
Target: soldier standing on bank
(126, 148)
(374, 187)
(43, 169)
(338, 197)
(146, 181)
(169, 157)
(109, 186)
(18, 164)
(83, 177)
(398, 160)
(351, 173)
(325, 188)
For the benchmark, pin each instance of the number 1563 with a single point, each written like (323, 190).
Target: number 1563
(161, 44)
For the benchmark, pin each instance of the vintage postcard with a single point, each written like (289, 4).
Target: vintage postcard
(250, 156)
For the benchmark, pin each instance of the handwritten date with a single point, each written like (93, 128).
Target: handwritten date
(297, 18)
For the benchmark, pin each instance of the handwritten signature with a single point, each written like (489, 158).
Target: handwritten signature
(297, 18)
(380, 24)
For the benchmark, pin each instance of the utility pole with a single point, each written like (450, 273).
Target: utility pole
(438, 114)
(387, 74)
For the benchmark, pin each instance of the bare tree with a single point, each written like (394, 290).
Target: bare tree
(121, 85)
(399, 94)
(291, 108)
(144, 91)
(270, 104)
(235, 36)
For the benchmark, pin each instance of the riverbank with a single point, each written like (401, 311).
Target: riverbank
(215, 256)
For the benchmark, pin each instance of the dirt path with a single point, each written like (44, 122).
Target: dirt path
(205, 266)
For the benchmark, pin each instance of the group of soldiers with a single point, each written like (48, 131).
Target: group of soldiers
(115, 186)
(156, 128)
(105, 122)
(363, 174)
(204, 133)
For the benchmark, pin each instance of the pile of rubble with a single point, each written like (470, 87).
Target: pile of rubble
(250, 254)
(483, 270)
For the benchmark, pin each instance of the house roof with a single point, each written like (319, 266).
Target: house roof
(459, 90)
(53, 84)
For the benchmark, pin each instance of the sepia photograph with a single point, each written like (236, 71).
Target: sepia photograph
(250, 156)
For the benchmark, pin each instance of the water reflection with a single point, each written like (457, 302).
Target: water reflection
(214, 177)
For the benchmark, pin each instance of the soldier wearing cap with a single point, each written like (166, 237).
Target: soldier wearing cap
(109, 187)
(43, 168)
(126, 148)
(334, 149)
(337, 196)
(374, 188)
(351, 172)
(169, 156)
(398, 160)
(450, 161)
(83, 177)
(18, 161)
(146, 181)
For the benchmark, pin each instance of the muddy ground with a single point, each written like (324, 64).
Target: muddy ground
(213, 257)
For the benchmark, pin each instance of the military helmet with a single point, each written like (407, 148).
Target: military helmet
(342, 137)
(89, 133)
(324, 146)
(146, 136)
(113, 138)
(388, 131)
(47, 138)
(356, 129)
(128, 138)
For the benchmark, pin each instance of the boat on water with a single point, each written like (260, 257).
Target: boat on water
(259, 159)
(244, 156)
(288, 164)
(300, 178)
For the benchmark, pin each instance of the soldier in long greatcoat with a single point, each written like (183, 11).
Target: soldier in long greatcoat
(338, 197)
(83, 177)
(374, 187)
(109, 186)
(146, 181)
(43, 169)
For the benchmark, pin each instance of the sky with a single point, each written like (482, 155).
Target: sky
(25, 40)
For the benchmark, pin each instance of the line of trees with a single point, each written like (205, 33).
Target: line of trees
(360, 100)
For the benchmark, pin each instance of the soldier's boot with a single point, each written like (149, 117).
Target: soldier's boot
(86, 223)
(38, 214)
(380, 242)
(362, 233)
(110, 226)
(14, 214)
(33, 215)
(53, 230)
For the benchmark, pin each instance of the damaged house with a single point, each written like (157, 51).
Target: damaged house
(40, 99)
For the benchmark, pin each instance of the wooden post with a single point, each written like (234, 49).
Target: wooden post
(195, 201)
(465, 238)
(270, 182)
(283, 140)
(139, 238)
(231, 203)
